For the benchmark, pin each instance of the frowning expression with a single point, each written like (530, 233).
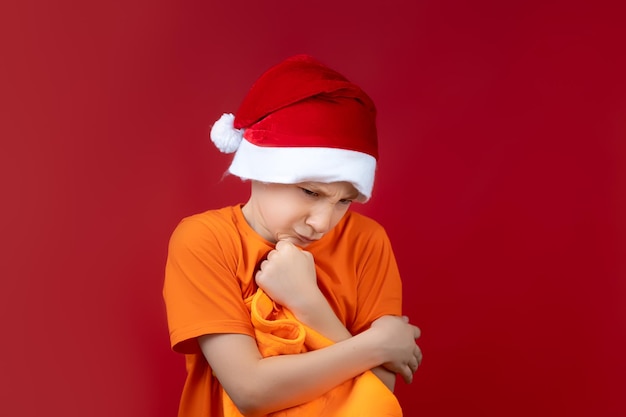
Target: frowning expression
(301, 213)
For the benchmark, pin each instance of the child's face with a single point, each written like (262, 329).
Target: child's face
(300, 213)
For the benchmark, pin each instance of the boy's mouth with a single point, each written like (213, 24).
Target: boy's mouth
(304, 239)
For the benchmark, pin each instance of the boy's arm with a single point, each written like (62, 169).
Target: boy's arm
(260, 385)
(320, 316)
(302, 296)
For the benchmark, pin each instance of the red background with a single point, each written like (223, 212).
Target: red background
(502, 185)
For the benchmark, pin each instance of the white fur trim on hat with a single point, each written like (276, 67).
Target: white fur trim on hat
(224, 135)
(292, 165)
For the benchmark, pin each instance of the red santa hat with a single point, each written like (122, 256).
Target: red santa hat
(302, 121)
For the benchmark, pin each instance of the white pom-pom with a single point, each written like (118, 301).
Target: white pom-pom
(224, 135)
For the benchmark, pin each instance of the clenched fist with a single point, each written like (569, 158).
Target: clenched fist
(288, 276)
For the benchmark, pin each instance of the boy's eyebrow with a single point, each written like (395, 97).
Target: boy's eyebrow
(353, 195)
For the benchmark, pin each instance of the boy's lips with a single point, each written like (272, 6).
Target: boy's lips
(298, 239)
(305, 239)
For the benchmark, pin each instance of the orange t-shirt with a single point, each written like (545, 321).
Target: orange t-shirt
(213, 257)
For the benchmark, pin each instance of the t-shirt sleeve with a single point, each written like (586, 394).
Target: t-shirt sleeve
(379, 286)
(201, 291)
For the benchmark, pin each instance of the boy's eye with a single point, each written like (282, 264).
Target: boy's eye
(309, 192)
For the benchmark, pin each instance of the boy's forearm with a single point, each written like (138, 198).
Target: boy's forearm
(321, 317)
(262, 385)
(386, 376)
(325, 321)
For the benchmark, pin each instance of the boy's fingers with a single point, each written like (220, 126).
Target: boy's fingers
(416, 332)
(407, 375)
(282, 244)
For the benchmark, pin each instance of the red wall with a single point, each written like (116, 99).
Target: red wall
(502, 184)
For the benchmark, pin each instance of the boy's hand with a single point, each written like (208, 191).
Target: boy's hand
(288, 276)
(397, 338)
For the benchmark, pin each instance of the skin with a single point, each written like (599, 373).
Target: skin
(293, 216)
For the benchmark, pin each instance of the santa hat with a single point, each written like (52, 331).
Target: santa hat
(302, 121)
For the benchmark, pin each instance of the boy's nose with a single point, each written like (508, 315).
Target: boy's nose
(320, 219)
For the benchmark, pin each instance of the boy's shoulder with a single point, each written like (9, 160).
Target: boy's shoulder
(216, 222)
(222, 215)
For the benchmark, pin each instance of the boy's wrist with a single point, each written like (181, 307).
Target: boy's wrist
(374, 346)
(317, 314)
(309, 306)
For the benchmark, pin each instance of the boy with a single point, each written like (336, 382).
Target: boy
(306, 139)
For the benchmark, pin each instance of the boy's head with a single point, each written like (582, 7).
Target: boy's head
(302, 121)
